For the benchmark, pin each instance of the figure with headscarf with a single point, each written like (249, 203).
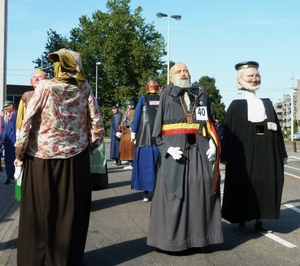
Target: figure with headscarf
(145, 151)
(62, 126)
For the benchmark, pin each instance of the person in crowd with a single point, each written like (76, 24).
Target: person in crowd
(254, 153)
(145, 152)
(26, 96)
(219, 128)
(98, 166)
(114, 139)
(10, 140)
(62, 125)
(2, 134)
(185, 211)
(126, 150)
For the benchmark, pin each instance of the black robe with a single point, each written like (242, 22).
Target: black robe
(254, 157)
(186, 209)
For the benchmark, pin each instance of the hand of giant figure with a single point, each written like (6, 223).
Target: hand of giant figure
(132, 137)
(211, 152)
(175, 152)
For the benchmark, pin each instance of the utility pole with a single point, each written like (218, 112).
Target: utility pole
(292, 109)
(3, 50)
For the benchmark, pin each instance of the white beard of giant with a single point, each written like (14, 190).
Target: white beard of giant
(243, 85)
(182, 83)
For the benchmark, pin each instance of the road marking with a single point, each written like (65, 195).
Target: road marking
(292, 175)
(295, 168)
(293, 157)
(292, 207)
(279, 240)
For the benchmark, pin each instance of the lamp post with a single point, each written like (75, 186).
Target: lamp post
(3, 50)
(292, 109)
(177, 17)
(97, 64)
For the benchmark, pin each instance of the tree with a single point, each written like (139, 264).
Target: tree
(214, 97)
(129, 51)
(54, 42)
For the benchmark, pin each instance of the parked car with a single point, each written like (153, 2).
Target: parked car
(296, 136)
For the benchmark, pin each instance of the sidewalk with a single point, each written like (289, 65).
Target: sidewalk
(118, 223)
(9, 218)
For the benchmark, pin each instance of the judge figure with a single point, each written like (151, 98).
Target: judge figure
(254, 153)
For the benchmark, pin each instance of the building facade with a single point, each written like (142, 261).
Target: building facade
(284, 109)
(14, 93)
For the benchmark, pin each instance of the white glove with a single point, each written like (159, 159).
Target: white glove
(132, 137)
(175, 152)
(211, 152)
(118, 134)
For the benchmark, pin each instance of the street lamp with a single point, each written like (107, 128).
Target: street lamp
(292, 108)
(97, 64)
(177, 17)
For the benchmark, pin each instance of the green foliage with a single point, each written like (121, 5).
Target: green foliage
(214, 97)
(295, 126)
(54, 43)
(129, 51)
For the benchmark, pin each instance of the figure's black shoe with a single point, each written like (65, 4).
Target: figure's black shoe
(242, 229)
(7, 182)
(259, 227)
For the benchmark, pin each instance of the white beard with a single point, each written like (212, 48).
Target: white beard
(243, 85)
(182, 83)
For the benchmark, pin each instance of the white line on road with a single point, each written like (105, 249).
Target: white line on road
(294, 157)
(290, 167)
(279, 240)
(292, 175)
(292, 207)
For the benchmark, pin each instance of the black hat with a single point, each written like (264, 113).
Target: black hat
(246, 64)
(115, 107)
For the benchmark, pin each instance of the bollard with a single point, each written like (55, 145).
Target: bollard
(295, 146)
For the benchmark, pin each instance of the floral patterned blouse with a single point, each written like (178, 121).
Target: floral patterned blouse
(60, 122)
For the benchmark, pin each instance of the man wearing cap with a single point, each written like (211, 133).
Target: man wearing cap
(115, 139)
(145, 152)
(126, 151)
(254, 153)
(9, 140)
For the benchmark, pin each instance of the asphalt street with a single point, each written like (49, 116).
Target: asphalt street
(119, 224)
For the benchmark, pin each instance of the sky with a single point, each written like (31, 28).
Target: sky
(210, 39)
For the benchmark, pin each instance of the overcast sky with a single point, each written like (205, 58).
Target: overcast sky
(211, 37)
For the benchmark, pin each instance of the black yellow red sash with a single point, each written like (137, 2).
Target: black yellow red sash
(180, 128)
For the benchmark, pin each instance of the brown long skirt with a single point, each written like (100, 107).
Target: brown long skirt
(126, 151)
(55, 211)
